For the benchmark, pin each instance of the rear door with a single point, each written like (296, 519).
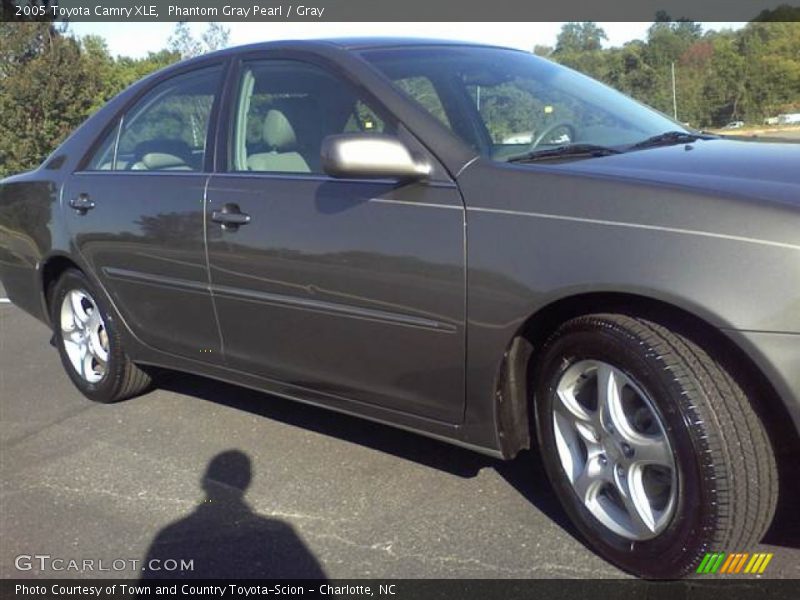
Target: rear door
(349, 289)
(136, 214)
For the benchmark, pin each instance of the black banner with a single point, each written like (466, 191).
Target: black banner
(393, 10)
(402, 589)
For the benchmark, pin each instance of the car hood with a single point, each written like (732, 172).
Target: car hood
(766, 171)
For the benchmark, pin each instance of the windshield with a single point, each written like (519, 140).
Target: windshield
(507, 104)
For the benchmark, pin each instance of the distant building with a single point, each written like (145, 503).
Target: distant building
(789, 119)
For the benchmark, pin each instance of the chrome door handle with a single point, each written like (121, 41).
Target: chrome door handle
(231, 217)
(82, 203)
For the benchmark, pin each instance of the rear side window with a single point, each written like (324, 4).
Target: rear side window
(103, 159)
(167, 130)
(286, 108)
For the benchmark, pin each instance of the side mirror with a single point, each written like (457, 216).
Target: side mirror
(370, 156)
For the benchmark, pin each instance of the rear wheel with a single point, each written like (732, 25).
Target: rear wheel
(89, 344)
(654, 450)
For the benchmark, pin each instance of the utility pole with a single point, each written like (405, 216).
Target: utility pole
(674, 95)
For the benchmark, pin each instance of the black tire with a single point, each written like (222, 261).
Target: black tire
(727, 478)
(122, 378)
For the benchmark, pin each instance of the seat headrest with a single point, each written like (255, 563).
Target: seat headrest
(176, 147)
(278, 131)
(162, 161)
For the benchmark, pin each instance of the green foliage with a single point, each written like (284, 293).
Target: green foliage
(47, 88)
(720, 76)
(50, 83)
(183, 43)
(580, 37)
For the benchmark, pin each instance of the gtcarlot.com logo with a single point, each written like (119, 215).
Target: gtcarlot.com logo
(46, 562)
(734, 563)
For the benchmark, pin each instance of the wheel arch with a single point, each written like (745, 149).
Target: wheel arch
(50, 270)
(514, 398)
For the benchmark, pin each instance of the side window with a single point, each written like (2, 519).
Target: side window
(422, 90)
(516, 112)
(167, 130)
(363, 120)
(103, 159)
(284, 111)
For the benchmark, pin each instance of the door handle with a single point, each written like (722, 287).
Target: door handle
(82, 203)
(231, 217)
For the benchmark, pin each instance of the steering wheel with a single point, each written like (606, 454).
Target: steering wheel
(548, 130)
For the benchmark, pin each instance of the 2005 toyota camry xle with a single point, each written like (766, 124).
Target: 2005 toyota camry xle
(468, 242)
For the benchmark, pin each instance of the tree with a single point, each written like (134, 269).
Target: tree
(50, 83)
(22, 42)
(749, 74)
(580, 37)
(216, 37)
(43, 98)
(579, 45)
(182, 41)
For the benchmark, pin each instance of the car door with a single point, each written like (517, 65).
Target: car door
(136, 214)
(350, 289)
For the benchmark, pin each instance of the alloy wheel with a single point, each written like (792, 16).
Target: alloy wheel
(84, 335)
(614, 450)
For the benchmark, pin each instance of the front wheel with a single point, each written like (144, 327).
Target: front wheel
(89, 344)
(654, 450)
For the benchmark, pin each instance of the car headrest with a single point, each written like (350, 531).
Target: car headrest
(162, 161)
(176, 147)
(278, 132)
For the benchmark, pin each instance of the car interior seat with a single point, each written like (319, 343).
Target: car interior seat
(292, 135)
(280, 137)
(162, 155)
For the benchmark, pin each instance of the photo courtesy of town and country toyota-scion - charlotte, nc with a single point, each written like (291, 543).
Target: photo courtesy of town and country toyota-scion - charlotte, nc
(205, 591)
(253, 11)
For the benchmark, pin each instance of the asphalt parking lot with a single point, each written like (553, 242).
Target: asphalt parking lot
(325, 495)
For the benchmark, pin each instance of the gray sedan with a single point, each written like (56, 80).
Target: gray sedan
(467, 242)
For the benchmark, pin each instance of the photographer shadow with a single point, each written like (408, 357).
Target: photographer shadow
(225, 539)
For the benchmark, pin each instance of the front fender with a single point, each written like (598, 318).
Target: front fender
(535, 236)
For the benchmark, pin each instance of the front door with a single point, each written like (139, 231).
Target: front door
(351, 289)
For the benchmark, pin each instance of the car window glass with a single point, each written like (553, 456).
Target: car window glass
(284, 111)
(166, 130)
(103, 158)
(518, 111)
(506, 103)
(422, 90)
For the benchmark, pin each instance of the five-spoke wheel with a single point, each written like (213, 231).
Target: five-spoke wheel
(88, 342)
(614, 449)
(653, 448)
(84, 334)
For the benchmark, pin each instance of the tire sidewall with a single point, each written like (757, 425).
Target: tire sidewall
(686, 537)
(103, 390)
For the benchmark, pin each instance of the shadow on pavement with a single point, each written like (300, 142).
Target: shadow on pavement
(225, 539)
(525, 473)
(383, 438)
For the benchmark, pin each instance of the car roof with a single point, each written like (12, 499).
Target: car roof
(363, 43)
(323, 45)
(344, 43)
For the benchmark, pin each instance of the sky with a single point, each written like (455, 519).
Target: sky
(137, 39)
